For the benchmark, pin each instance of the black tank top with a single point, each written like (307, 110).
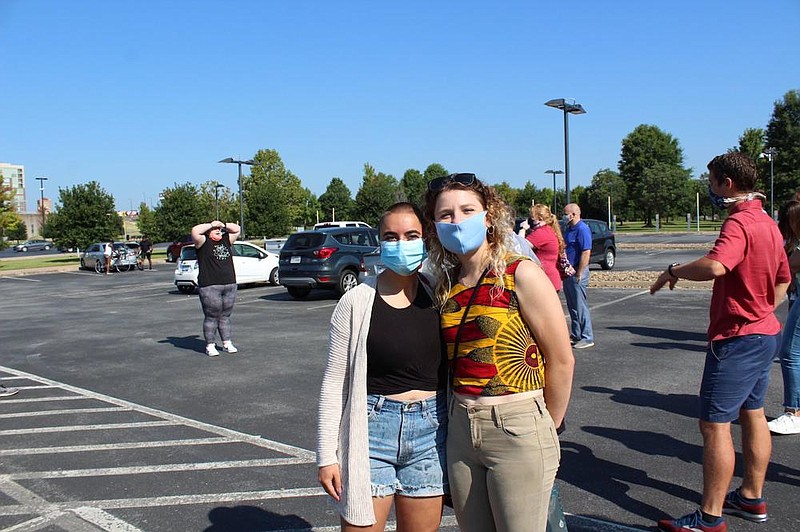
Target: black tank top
(215, 260)
(404, 350)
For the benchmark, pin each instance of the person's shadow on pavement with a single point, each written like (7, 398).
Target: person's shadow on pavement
(252, 519)
(611, 481)
(674, 403)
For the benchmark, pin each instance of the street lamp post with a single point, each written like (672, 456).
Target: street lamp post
(555, 173)
(770, 153)
(216, 197)
(569, 108)
(41, 204)
(249, 162)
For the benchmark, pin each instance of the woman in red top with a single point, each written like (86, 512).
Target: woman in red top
(546, 240)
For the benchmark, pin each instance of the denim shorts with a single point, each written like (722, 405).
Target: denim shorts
(407, 452)
(736, 376)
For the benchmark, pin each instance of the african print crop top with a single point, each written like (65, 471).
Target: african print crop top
(497, 354)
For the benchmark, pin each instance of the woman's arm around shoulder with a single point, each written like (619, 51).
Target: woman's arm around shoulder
(541, 309)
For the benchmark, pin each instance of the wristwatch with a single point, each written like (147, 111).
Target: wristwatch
(669, 269)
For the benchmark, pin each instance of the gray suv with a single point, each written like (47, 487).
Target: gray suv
(325, 258)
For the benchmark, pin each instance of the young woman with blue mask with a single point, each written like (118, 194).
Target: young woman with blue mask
(382, 411)
(510, 360)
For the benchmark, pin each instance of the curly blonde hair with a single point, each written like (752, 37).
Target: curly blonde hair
(542, 211)
(443, 263)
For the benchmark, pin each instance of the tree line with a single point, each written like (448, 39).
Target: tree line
(650, 180)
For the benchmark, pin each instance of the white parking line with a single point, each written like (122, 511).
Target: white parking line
(15, 278)
(115, 446)
(167, 500)
(80, 428)
(65, 411)
(164, 468)
(104, 520)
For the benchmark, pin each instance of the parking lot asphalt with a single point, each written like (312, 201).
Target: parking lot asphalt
(122, 423)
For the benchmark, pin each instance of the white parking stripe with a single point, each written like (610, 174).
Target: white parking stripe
(614, 302)
(15, 278)
(175, 419)
(66, 411)
(78, 428)
(115, 446)
(104, 520)
(167, 500)
(44, 399)
(165, 468)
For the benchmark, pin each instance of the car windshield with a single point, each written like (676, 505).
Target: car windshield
(304, 241)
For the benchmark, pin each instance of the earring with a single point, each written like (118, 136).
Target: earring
(490, 233)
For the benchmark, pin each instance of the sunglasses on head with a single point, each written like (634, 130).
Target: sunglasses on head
(435, 185)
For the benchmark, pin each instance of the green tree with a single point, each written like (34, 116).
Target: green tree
(275, 198)
(605, 183)
(85, 214)
(147, 221)
(16, 232)
(414, 185)
(646, 147)
(665, 190)
(179, 210)
(209, 196)
(336, 200)
(783, 134)
(527, 196)
(507, 192)
(751, 143)
(377, 193)
(9, 219)
(433, 171)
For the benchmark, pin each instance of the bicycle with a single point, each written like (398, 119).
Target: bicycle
(118, 263)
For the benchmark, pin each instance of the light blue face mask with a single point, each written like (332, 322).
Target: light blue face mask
(464, 237)
(404, 257)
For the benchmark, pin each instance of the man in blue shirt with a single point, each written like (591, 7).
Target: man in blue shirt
(578, 245)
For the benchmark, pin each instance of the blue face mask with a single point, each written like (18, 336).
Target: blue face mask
(404, 257)
(716, 200)
(722, 202)
(464, 237)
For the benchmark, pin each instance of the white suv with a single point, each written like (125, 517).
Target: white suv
(346, 223)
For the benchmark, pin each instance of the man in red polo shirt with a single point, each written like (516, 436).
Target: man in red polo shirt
(751, 275)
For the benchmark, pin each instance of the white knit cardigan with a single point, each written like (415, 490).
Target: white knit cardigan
(342, 435)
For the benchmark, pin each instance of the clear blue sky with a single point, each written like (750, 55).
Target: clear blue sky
(140, 95)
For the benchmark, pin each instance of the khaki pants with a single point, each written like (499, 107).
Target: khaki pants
(502, 460)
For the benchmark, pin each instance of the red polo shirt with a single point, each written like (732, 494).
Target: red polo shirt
(751, 249)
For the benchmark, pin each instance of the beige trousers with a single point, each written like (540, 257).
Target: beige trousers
(502, 460)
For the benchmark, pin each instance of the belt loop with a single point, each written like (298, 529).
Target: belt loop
(538, 401)
(379, 404)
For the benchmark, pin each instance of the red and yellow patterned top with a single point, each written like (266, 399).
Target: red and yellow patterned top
(497, 355)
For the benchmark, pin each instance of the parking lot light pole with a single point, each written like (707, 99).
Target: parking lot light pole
(569, 108)
(555, 173)
(41, 181)
(770, 153)
(216, 196)
(249, 162)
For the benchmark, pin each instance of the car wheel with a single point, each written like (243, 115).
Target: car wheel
(608, 260)
(24, 248)
(298, 292)
(47, 248)
(273, 277)
(186, 289)
(347, 281)
(99, 266)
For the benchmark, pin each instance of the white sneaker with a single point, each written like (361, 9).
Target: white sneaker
(583, 344)
(211, 350)
(787, 423)
(228, 347)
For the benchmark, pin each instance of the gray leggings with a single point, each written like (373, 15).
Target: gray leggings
(217, 301)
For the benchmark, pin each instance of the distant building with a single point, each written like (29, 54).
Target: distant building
(14, 177)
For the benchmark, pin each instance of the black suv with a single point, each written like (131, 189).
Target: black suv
(604, 243)
(325, 258)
